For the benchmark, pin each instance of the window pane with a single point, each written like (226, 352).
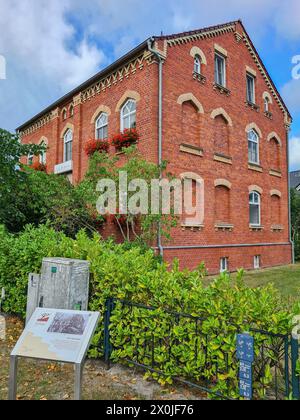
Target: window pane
(133, 121)
(254, 214)
(220, 71)
(250, 89)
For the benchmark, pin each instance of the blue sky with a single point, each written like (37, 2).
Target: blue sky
(52, 46)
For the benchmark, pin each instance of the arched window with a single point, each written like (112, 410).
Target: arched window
(68, 143)
(190, 123)
(266, 104)
(64, 114)
(128, 115)
(197, 64)
(43, 154)
(222, 205)
(102, 126)
(275, 154)
(71, 111)
(221, 135)
(255, 208)
(275, 210)
(253, 147)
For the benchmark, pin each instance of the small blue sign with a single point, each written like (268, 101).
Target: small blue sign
(245, 348)
(246, 371)
(246, 389)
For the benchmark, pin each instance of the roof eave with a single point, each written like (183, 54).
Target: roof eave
(87, 83)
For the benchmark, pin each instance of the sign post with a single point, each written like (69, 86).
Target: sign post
(245, 354)
(58, 336)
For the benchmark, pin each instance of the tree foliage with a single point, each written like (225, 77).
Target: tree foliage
(295, 210)
(133, 227)
(12, 177)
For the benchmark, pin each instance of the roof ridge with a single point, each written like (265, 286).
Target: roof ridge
(196, 31)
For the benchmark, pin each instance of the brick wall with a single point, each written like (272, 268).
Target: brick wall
(221, 142)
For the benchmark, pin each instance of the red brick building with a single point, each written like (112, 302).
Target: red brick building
(204, 102)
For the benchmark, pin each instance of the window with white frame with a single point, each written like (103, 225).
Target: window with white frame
(64, 114)
(266, 104)
(223, 265)
(71, 111)
(68, 145)
(250, 89)
(197, 64)
(255, 208)
(102, 126)
(256, 262)
(30, 159)
(128, 115)
(253, 147)
(220, 70)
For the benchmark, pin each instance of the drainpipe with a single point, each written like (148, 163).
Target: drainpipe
(161, 60)
(289, 195)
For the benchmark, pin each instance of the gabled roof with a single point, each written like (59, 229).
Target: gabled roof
(173, 39)
(295, 179)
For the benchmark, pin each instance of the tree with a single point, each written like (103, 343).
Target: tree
(295, 211)
(132, 226)
(28, 196)
(11, 175)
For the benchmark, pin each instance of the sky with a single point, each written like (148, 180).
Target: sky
(50, 46)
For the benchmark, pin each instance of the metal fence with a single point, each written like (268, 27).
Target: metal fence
(196, 352)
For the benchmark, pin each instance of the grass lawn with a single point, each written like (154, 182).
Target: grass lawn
(286, 279)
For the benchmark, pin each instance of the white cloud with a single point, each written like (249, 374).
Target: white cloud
(51, 46)
(295, 153)
(291, 94)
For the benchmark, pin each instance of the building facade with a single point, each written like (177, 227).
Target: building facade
(219, 115)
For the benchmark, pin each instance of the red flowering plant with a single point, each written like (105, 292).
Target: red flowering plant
(38, 166)
(125, 139)
(94, 145)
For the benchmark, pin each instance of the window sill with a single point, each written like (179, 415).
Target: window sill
(268, 115)
(254, 167)
(252, 106)
(256, 228)
(192, 227)
(273, 172)
(222, 158)
(224, 227)
(199, 77)
(190, 149)
(277, 228)
(64, 168)
(222, 89)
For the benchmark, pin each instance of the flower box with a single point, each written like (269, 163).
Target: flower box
(93, 146)
(125, 139)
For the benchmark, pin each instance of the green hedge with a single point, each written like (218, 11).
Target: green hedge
(135, 274)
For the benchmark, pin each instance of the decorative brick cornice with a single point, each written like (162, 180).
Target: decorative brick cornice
(210, 33)
(77, 100)
(118, 76)
(124, 72)
(46, 119)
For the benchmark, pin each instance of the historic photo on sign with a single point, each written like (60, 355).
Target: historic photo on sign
(73, 324)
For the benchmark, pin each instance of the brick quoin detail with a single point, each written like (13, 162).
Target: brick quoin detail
(204, 132)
